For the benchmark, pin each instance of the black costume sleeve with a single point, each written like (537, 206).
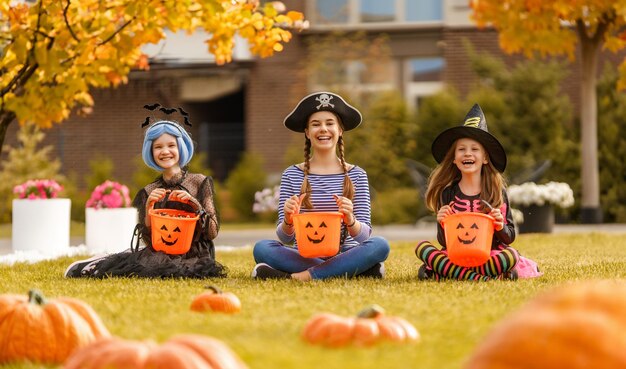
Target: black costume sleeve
(447, 195)
(507, 234)
(206, 197)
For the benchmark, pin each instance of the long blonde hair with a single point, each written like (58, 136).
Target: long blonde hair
(348, 186)
(446, 173)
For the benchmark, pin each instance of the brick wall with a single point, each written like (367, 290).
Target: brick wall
(275, 86)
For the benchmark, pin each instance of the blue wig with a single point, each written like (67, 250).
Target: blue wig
(156, 130)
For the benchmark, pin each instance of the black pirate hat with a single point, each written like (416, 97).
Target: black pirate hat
(475, 127)
(322, 101)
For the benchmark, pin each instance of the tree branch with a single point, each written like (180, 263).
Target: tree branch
(27, 69)
(603, 25)
(116, 32)
(67, 22)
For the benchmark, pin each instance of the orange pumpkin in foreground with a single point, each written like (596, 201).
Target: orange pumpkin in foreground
(577, 326)
(216, 300)
(46, 331)
(370, 326)
(180, 352)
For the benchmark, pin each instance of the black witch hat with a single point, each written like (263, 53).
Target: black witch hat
(475, 127)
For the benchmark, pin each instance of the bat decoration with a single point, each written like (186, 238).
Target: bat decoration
(185, 116)
(151, 107)
(167, 110)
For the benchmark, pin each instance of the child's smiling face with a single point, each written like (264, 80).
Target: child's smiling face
(165, 151)
(323, 129)
(469, 155)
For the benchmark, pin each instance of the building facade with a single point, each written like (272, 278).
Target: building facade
(240, 107)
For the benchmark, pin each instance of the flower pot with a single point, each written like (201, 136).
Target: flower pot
(109, 230)
(41, 224)
(537, 219)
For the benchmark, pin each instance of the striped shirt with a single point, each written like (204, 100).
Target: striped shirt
(323, 187)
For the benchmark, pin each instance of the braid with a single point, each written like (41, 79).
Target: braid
(306, 186)
(348, 186)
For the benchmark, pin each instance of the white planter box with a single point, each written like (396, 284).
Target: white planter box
(109, 230)
(41, 224)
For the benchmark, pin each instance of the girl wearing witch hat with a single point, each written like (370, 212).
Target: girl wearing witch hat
(167, 148)
(324, 182)
(469, 179)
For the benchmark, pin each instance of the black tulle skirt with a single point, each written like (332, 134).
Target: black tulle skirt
(148, 263)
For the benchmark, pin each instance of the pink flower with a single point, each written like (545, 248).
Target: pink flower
(37, 189)
(109, 195)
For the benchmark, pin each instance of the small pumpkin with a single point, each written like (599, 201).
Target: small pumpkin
(216, 300)
(46, 331)
(576, 326)
(186, 351)
(370, 326)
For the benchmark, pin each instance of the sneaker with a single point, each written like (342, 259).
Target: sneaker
(424, 273)
(377, 271)
(79, 268)
(511, 275)
(264, 271)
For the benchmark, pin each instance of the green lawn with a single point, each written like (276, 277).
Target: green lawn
(452, 317)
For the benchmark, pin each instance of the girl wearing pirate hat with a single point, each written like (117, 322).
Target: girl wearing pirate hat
(469, 178)
(167, 148)
(323, 182)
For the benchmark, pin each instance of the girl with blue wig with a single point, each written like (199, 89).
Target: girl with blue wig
(167, 148)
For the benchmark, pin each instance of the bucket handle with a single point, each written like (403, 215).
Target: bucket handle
(443, 222)
(167, 198)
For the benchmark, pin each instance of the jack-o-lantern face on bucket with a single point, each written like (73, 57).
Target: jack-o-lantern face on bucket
(167, 237)
(469, 237)
(466, 236)
(316, 235)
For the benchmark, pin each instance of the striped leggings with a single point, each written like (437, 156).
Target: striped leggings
(500, 262)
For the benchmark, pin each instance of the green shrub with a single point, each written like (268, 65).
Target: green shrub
(611, 147)
(24, 162)
(399, 205)
(384, 140)
(243, 182)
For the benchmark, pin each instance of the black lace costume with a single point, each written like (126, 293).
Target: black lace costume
(198, 262)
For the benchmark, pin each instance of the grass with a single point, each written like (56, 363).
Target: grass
(451, 316)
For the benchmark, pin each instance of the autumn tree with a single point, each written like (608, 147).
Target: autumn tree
(54, 51)
(542, 28)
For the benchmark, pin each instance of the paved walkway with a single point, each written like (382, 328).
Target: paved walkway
(247, 237)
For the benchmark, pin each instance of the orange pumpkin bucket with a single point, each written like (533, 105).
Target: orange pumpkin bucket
(468, 238)
(172, 230)
(318, 234)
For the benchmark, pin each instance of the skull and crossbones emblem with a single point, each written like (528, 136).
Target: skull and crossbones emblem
(324, 100)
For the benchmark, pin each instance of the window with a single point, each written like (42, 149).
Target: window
(356, 76)
(426, 69)
(331, 11)
(423, 77)
(423, 10)
(370, 12)
(377, 11)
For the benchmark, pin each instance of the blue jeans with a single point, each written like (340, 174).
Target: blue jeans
(350, 262)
